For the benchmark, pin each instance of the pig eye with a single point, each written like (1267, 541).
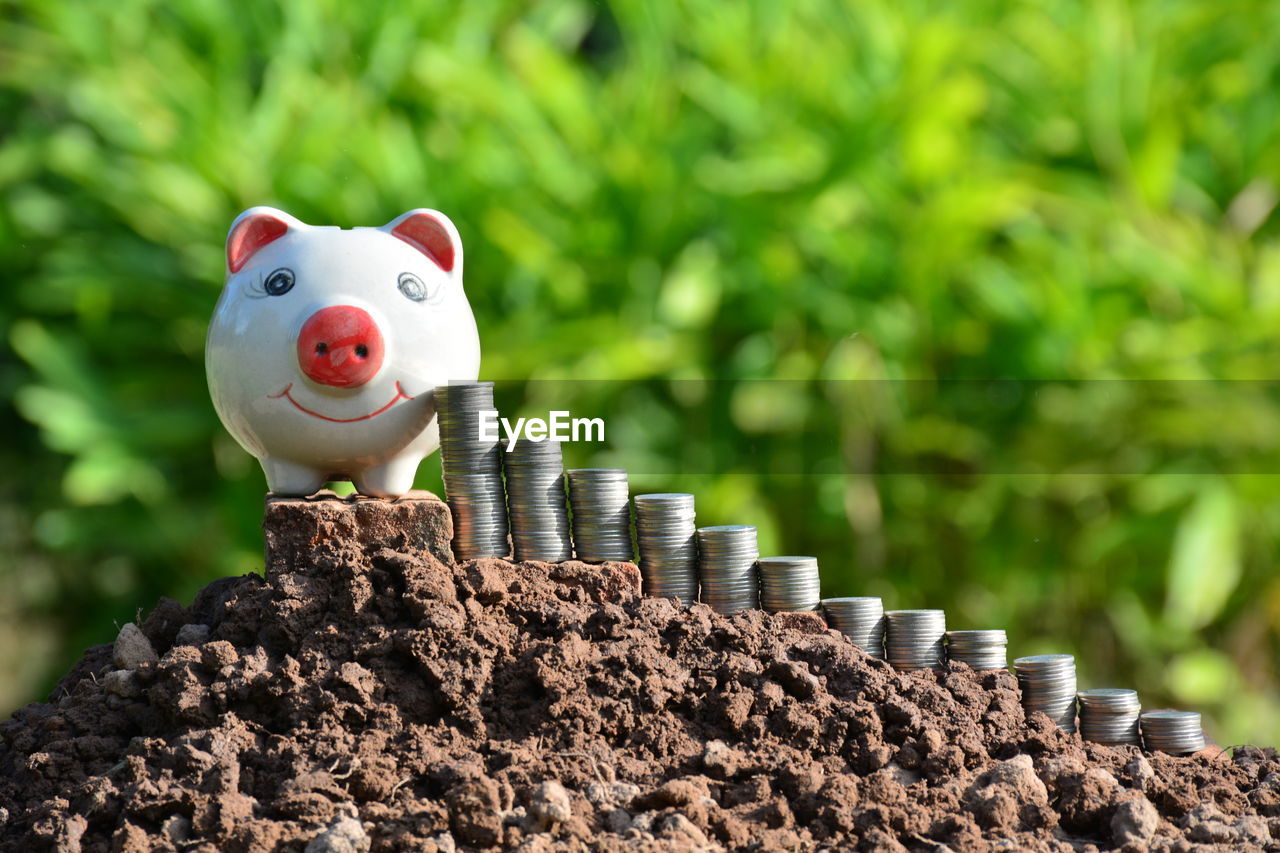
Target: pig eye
(279, 282)
(413, 288)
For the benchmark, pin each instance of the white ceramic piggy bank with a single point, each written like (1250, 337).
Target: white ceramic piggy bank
(326, 345)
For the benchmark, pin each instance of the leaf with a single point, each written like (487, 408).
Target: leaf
(1204, 567)
(1201, 676)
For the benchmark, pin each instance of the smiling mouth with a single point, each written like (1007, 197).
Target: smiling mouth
(400, 395)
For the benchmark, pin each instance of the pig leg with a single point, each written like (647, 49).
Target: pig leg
(290, 478)
(388, 481)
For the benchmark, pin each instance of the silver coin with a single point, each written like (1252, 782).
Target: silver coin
(472, 471)
(666, 539)
(1109, 715)
(861, 619)
(913, 639)
(1175, 732)
(1048, 685)
(536, 504)
(727, 570)
(981, 650)
(789, 584)
(462, 451)
(600, 500)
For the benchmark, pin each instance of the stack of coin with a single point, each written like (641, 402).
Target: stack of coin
(861, 619)
(1109, 715)
(665, 532)
(535, 498)
(601, 514)
(472, 470)
(727, 567)
(1176, 732)
(479, 516)
(913, 639)
(789, 583)
(980, 649)
(1048, 684)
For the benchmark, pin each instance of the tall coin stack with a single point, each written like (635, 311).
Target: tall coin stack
(601, 507)
(980, 649)
(1048, 684)
(472, 471)
(666, 533)
(1109, 715)
(861, 619)
(727, 566)
(535, 499)
(1176, 732)
(913, 639)
(789, 583)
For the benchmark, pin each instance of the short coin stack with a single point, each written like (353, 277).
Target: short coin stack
(1109, 715)
(861, 619)
(666, 533)
(982, 650)
(1048, 684)
(472, 471)
(535, 498)
(789, 583)
(727, 567)
(601, 506)
(1176, 732)
(913, 639)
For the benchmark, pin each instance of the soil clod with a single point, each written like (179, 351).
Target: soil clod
(132, 649)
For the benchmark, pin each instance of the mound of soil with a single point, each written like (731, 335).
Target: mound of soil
(369, 693)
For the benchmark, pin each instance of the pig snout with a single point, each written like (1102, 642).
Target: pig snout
(340, 346)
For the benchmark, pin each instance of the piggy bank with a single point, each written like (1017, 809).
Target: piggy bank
(326, 345)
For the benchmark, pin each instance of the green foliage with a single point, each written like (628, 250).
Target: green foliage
(860, 203)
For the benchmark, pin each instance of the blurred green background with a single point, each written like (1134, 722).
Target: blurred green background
(670, 193)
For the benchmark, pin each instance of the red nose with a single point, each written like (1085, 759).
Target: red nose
(341, 346)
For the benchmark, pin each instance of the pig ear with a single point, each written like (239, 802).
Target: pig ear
(432, 234)
(252, 230)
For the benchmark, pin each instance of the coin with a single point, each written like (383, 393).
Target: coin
(1048, 684)
(479, 516)
(727, 567)
(1176, 732)
(472, 470)
(913, 639)
(789, 583)
(601, 506)
(982, 650)
(458, 408)
(861, 619)
(666, 533)
(538, 511)
(1109, 715)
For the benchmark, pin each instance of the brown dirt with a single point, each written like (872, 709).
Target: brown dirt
(370, 694)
